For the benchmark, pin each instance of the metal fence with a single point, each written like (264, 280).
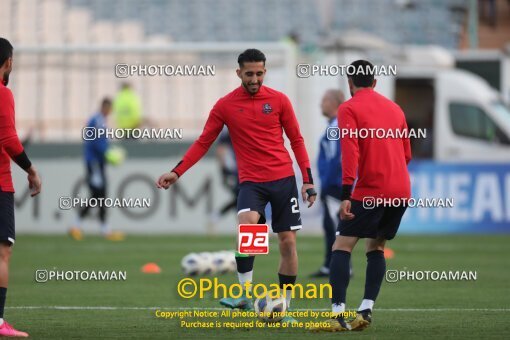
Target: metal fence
(57, 87)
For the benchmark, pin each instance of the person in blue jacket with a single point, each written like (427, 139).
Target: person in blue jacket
(95, 149)
(330, 173)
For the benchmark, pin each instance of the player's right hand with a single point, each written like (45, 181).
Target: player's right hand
(345, 210)
(166, 180)
(34, 182)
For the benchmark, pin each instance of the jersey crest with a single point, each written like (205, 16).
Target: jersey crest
(266, 108)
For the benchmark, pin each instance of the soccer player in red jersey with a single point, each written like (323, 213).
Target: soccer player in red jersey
(379, 166)
(10, 148)
(256, 116)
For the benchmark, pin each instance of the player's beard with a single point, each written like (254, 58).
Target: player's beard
(247, 86)
(6, 78)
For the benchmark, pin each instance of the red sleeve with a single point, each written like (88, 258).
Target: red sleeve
(291, 128)
(9, 140)
(197, 150)
(348, 144)
(407, 144)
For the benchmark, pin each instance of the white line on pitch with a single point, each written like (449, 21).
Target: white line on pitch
(218, 308)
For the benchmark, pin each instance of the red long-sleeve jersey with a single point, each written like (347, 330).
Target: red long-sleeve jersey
(379, 164)
(10, 146)
(255, 124)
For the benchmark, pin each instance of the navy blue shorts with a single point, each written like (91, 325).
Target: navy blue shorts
(7, 217)
(283, 196)
(379, 222)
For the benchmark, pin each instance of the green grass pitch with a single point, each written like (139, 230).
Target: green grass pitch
(406, 310)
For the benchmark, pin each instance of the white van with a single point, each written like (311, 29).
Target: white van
(466, 120)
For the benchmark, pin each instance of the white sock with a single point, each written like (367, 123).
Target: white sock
(1, 321)
(288, 296)
(366, 304)
(338, 308)
(245, 277)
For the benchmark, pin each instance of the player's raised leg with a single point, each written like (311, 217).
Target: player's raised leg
(244, 267)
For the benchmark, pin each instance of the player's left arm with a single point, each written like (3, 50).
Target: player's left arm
(291, 127)
(350, 157)
(10, 142)
(406, 142)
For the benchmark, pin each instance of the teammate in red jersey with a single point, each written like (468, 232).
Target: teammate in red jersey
(379, 166)
(10, 148)
(255, 116)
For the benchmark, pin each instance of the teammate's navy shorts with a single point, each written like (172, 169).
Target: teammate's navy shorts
(7, 217)
(283, 196)
(378, 222)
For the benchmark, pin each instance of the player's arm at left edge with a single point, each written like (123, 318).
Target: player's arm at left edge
(291, 127)
(406, 142)
(350, 157)
(10, 142)
(197, 150)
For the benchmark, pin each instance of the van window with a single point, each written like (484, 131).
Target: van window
(471, 121)
(416, 98)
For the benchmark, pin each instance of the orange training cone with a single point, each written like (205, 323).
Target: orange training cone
(389, 253)
(151, 268)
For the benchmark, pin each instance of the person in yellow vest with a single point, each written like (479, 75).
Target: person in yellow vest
(127, 108)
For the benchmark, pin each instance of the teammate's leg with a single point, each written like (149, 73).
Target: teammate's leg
(339, 280)
(7, 237)
(339, 270)
(376, 263)
(376, 268)
(5, 255)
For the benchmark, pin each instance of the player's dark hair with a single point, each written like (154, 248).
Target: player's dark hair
(5, 50)
(106, 102)
(364, 78)
(251, 55)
